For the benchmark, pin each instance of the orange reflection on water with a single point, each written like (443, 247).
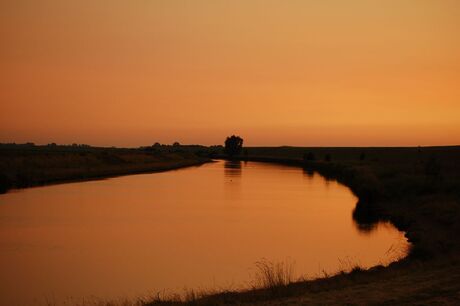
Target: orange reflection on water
(197, 227)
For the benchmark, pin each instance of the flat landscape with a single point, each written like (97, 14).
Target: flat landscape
(416, 189)
(238, 152)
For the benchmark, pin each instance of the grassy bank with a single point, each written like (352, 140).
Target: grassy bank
(29, 165)
(417, 189)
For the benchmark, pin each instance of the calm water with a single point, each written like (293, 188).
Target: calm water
(200, 227)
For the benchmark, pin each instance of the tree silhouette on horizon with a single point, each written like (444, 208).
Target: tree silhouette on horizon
(233, 145)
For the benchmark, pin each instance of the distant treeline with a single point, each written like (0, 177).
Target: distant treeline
(177, 147)
(50, 146)
(157, 147)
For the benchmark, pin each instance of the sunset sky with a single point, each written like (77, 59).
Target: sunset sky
(306, 73)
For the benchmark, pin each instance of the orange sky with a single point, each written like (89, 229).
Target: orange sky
(328, 73)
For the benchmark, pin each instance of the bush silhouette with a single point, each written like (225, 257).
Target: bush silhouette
(233, 145)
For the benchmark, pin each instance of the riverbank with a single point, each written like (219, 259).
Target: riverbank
(26, 166)
(417, 189)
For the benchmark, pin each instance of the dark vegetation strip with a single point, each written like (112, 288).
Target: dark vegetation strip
(417, 189)
(25, 166)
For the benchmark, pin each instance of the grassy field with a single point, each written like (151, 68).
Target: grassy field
(29, 165)
(417, 189)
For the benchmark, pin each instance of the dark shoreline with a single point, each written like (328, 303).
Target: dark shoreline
(368, 191)
(22, 167)
(115, 174)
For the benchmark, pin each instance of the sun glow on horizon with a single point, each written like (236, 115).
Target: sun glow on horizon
(308, 73)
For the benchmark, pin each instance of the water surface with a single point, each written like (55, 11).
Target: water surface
(200, 227)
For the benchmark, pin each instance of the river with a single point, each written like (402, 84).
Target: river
(198, 227)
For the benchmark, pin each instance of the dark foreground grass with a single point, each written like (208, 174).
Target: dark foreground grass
(26, 165)
(414, 282)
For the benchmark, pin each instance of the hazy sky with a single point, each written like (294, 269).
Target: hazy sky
(328, 73)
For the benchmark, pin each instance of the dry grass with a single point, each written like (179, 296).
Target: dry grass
(270, 280)
(272, 275)
(274, 283)
(24, 167)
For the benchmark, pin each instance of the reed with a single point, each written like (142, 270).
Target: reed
(273, 275)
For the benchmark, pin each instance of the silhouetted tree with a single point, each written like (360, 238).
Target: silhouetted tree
(176, 144)
(233, 145)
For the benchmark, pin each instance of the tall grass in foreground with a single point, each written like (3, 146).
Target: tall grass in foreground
(396, 252)
(270, 280)
(271, 275)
